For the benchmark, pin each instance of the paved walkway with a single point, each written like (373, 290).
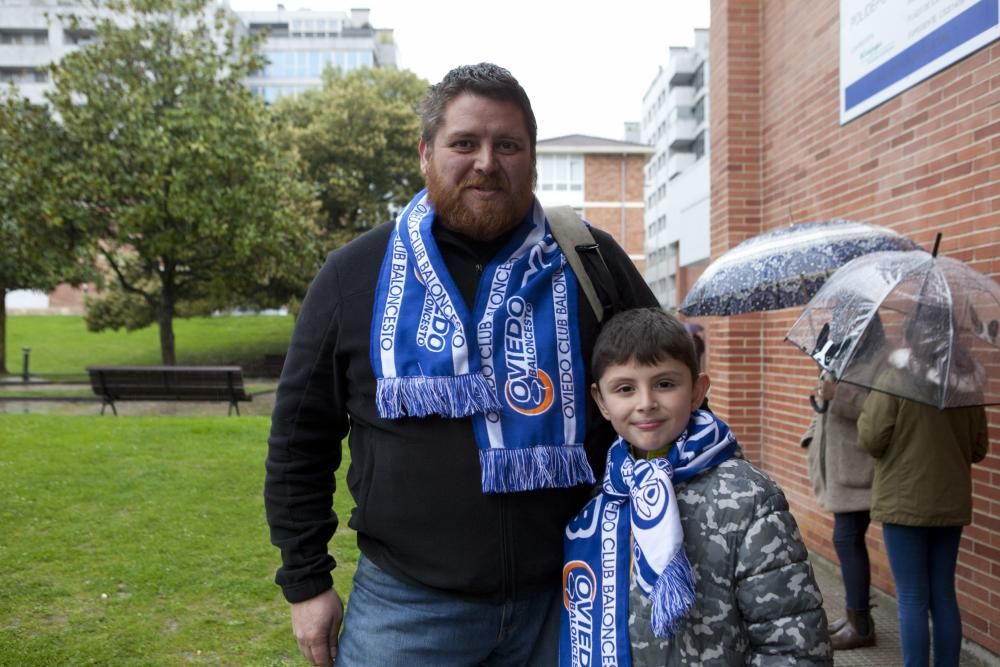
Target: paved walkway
(886, 651)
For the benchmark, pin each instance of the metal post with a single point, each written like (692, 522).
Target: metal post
(25, 351)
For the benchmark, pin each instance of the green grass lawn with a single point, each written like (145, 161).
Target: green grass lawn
(61, 343)
(142, 541)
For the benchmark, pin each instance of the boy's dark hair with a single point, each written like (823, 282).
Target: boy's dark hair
(485, 80)
(699, 346)
(645, 336)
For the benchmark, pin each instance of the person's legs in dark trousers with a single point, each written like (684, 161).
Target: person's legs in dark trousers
(947, 621)
(849, 530)
(856, 629)
(908, 551)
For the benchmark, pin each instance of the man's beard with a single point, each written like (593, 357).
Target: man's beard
(492, 217)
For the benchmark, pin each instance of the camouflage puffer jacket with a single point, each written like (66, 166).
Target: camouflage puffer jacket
(757, 602)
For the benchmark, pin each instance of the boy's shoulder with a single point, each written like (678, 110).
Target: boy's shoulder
(733, 486)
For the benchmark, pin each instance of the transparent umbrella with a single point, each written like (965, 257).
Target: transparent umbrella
(910, 324)
(784, 267)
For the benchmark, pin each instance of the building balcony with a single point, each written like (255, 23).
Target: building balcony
(681, 68)
(678, 162)
(19, 55)
(681, 134)
(680, 96)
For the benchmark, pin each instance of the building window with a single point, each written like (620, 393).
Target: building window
(699, 77)
(274, 30)
(26, 37)
(699, 111)
(699, 146)
(310, 64)
(560, 173)
(682, 112)
(273, 93)
(23, 75)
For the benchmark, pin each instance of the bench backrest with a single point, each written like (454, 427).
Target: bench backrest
(168, 382)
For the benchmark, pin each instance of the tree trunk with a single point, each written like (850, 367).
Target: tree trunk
(3, 331)
(165, 318)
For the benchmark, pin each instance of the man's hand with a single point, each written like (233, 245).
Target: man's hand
(826, 387)
(316, 624)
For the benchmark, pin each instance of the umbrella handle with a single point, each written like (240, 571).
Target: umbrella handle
(820, 409)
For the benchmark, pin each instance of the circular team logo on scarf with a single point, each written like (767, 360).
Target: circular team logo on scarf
(529, 389)
(649, 495)
(530, 395)
(579, 584)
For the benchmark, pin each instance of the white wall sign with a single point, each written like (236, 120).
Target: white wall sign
(886, 46)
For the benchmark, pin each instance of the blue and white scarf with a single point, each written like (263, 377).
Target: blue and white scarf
(514, 364)
(637, 498)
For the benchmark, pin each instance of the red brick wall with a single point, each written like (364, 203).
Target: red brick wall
(603, 183)
(602, 177)
(926, 161)
(734, 357)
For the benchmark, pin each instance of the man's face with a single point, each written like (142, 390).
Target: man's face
(479, 169)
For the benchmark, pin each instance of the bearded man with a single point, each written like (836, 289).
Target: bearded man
(453, 346)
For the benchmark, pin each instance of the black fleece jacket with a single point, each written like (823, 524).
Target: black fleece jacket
(420, 512)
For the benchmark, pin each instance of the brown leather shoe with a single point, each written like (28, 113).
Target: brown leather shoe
(836, 625)
(848, 637)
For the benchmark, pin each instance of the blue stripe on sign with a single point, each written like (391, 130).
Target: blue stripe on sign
(973, 21)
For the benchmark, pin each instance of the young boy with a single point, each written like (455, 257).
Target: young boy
(688, 555)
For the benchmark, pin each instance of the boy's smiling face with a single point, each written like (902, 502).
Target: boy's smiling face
(649, 404)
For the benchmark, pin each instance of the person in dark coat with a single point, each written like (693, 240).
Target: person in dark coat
(922, 494)
(841, 476)
(438, 343)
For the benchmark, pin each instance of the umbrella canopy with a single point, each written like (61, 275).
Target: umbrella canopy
(784, 267)
(910, 324)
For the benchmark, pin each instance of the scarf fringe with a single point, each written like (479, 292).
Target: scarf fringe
(450, 396)
(672, 596)
(540, 467)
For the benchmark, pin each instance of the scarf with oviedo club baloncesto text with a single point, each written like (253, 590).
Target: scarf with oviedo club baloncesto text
(513, 363)
(636, 515)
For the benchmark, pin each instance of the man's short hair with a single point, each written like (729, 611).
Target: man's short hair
(485, 80)
(646, 336)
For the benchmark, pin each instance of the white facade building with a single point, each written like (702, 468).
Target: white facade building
(31, 38)
(675, 123)
(301, 43)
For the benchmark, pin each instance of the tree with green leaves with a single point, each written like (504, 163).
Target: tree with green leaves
(176, 169)
(41, 244)
(357, 136)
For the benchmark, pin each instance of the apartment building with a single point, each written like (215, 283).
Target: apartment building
(602, 180)
(31, 37)
(302, 43)
(675, 124)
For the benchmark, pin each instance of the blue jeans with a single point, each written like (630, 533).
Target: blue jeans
(394, 623)
(849, 530)
(923, 561)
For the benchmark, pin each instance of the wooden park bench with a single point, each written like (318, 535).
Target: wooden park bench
(168, 383)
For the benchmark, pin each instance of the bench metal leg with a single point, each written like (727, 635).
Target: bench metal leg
(232, 405)
(105, 404)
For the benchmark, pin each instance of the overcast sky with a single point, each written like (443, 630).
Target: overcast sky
(585, 65)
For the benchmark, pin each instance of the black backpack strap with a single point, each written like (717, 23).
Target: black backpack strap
(584, 256)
